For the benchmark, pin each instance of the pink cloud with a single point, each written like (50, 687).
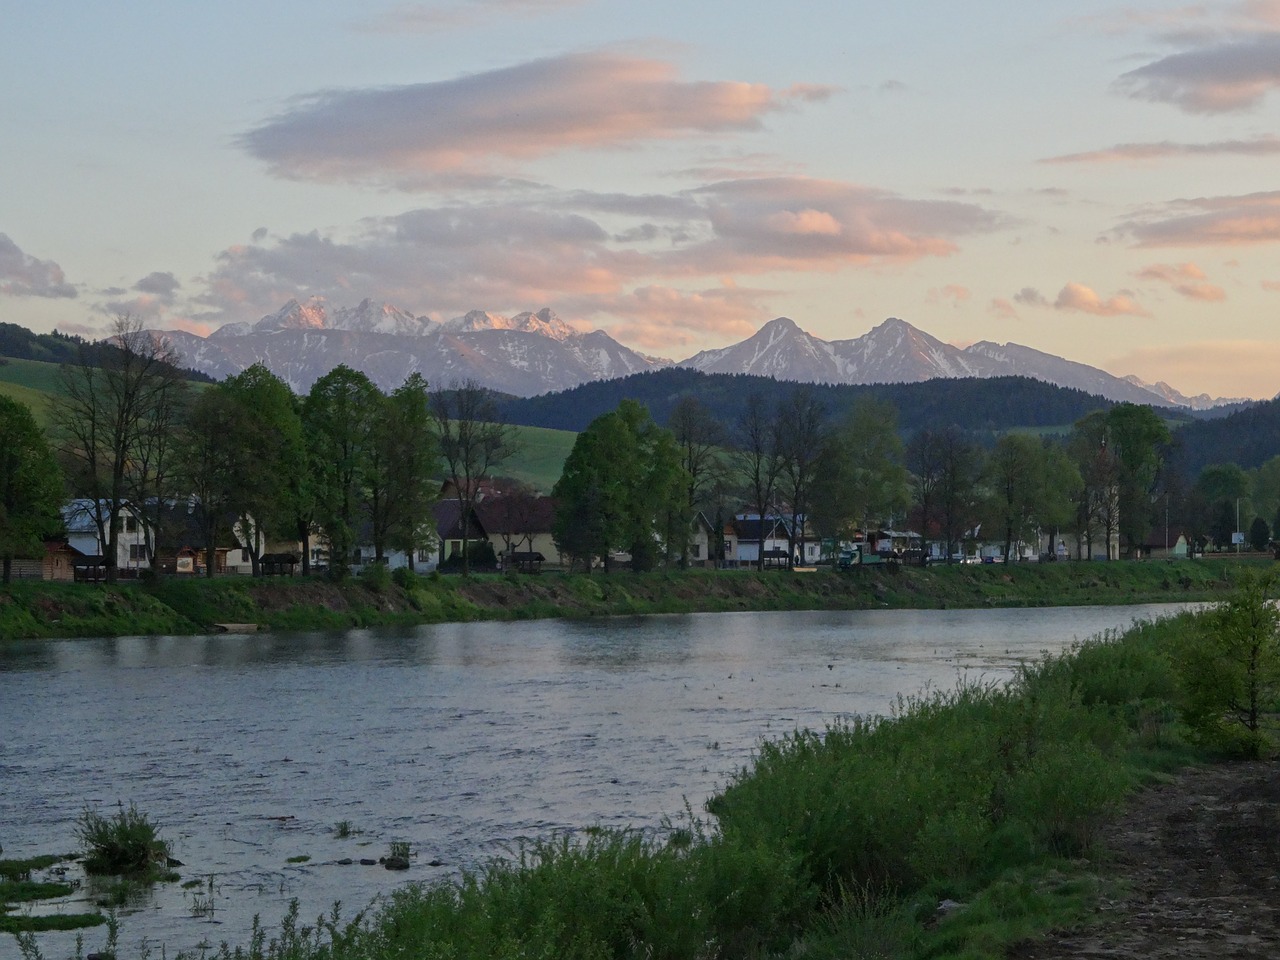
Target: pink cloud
(1004, 309)
(1187, 279)
(1208, 221)
(659, 318)
(409, 135)
(1078, 297)
(1265, 146)
(953, 292)
(1215, 77)
(1271, 285)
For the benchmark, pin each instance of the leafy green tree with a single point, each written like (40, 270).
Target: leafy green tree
(1265, 491)
(1097, 503)
(1138, 438)
(30, 485)
(860, 478)
(1224, 488)
(214, 460)
(276, 481)
(1031, 487)
(620, 481)
(473, 444)
(1259, 534)
(925, 460)
(1230, 669)
(402, 482)
(961, 463)
(339, 416)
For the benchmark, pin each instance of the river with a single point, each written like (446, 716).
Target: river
(462, 740)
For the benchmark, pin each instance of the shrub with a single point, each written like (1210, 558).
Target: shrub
(1230, 668)
(127, 843)
(376, 578)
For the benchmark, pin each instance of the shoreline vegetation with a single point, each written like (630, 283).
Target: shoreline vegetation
(968, 823)
(174, 605)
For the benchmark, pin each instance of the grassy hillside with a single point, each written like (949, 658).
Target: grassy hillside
(540, 456)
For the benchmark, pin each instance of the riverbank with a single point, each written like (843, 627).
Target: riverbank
(31, 610)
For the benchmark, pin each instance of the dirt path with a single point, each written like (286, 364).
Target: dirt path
(1200, 859)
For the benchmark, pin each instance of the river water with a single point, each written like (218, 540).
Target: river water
(462, 740)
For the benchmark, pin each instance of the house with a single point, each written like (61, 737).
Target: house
(56, 563)
(519, 522)
(79, 519)
(1166, 542)
(449, 533)
(702, 542)
(749, 530)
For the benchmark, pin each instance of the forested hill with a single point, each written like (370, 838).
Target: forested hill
(973, 404)
(19, 343)
(1249, 438)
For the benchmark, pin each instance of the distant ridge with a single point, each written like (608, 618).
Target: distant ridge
(536, 352)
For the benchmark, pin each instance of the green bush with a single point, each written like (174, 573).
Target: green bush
(376, 578)
(127, 843)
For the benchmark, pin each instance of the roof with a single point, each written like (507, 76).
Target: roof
(448, 515)
(516, 514)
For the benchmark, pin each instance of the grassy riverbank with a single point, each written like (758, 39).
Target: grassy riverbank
(964, 824)
(184, 606)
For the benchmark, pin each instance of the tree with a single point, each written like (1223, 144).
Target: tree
(112, 420)
(1230, 668)
(276, 480)
(1259, 534)
(802, 431)
(339, 415)
(30, 485)
(411, 449)
(473, 443)
(1097, 503)
(957, 487)
(214, 460)
(621, 480)
(757, 458)
(1223, 486)
(926, 462)
(1138, 438)
(701, 440)
(860, 478)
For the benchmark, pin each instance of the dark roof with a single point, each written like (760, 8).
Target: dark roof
(517, 514)
(448, 516)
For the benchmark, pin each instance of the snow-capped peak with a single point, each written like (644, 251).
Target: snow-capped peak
(295, 316)
(543, 322)
(370, 317)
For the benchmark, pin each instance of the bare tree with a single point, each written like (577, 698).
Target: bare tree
(802, 432)
(472, 444)
(758, 459)
(701, 440)
(113, 421)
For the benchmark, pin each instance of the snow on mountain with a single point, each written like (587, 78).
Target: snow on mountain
(370, 317)
(532, 353)
(527, 354)
(1201, 401)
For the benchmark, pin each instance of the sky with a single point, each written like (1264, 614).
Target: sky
(1098, 181)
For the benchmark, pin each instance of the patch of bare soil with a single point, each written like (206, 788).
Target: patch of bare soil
(1199, 861)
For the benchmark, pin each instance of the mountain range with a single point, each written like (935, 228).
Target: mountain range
(534, 353)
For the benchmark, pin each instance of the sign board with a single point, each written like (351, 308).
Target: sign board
(1237, 537)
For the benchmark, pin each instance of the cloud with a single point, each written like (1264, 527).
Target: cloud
(648, 263)
(1208, 221)
(425, 18)
(22, 275)
(1031, 297)
(1218, 77)
(1078, 297)
(409, 136)
(162, 285)
(1187, 279)
(1223, 368)
(953, 292)
(1265, 146)
(803, 223)
(1273, 285)
(1004, 309)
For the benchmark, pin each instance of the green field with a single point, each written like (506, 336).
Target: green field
(539, 456)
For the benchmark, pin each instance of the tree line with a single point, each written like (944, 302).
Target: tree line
(130, 434)
(131, 437)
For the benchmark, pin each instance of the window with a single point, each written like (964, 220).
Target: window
(697, 551)
(137, 551)
(244, 554)
(130, 523)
